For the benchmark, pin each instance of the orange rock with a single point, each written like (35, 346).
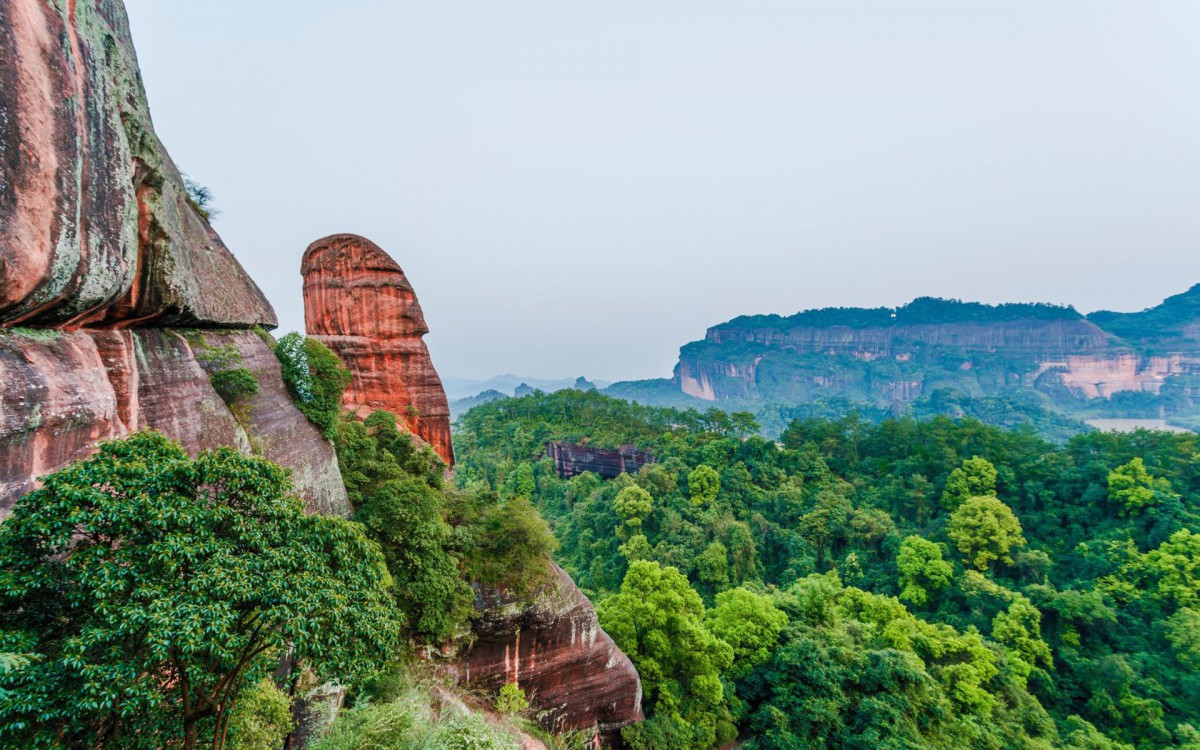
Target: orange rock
(358, 302)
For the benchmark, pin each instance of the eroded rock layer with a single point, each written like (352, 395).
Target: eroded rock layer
(64, 391)
(96, 227)
(572, 460)
(554, 650)
(359, 303)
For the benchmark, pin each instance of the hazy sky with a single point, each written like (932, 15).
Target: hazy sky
(581, 188)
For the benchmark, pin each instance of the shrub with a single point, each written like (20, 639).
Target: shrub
(511, 700)
(316, 379)
(234, 385)
(262, 718)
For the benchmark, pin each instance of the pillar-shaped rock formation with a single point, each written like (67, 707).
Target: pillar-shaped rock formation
(358, 302)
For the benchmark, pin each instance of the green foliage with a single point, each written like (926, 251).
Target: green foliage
(261, 719)
(975, 478)
(1132, 488)
(406, 517)
(409, 723)
(316, 379)
(1083, 640)
(507, 546)
(751, 624)
(985, 530)
(200, 198)
(511, 700)
(234, 385)
(231, 381)
(922, 570)
(658, 621)
(634, 505)
(704, 484)
(154, 589)
(1183, 631)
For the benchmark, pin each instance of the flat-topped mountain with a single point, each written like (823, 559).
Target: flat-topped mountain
(1105, 364)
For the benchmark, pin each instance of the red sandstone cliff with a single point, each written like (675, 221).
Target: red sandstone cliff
(99, 249)
(359, 303)
(555, 650)
(97, 226)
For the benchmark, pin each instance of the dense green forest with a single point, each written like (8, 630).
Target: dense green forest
(900, 584)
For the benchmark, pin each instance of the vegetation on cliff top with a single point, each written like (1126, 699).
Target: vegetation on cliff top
(923, 310)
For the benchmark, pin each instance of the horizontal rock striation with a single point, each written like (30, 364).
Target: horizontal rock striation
(66, 390)
(96, 226)
(554, 650)
(572, 460)
(359, 303)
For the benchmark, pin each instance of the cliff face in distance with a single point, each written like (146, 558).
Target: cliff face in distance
(359, 303)
(883, 356)
(100, 251)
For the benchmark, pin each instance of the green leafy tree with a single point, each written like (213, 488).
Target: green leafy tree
(1173, 569)
(658, 620)
(985, 530)
(712, 568)
(406, 517)
(751, 624)
(704, 484)
(508, 546)
(634, 505)
(155, 589)
(1019, 629)
(1183, 631)
(1132, 488)
(922, 570)
(975, 478)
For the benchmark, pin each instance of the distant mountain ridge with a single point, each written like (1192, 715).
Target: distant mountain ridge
(1047, 357)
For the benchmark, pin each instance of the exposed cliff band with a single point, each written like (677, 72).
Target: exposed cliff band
(359, 303)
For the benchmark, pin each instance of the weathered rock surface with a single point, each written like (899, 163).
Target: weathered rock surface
(572, 460)
(95, 223)
(63, 391)
(557, 653)
(359, 303)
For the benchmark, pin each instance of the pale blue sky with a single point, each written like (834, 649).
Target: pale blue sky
(581, 188)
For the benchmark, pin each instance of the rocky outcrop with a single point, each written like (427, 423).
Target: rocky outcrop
(572, 460)
(359, 303)
(554, 650)
(101, 250)
(66, 390)
(96, 227)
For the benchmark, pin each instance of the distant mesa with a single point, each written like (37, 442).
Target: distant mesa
(359, 303)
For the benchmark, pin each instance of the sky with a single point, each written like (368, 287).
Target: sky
(582, 188)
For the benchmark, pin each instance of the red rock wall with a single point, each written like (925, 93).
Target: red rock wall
(359, 303)
(557, 653)
(65, 391)
(96, 225)
(573, 460)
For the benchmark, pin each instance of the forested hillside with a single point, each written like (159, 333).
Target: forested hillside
(906, 584)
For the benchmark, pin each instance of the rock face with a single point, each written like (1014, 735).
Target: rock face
(573, 460)
(97, 228)
(63, 391)
(359, 303)
(101, 250)
(556, 652)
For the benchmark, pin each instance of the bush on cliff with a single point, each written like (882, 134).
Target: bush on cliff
(316, 379)
(152, 590)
